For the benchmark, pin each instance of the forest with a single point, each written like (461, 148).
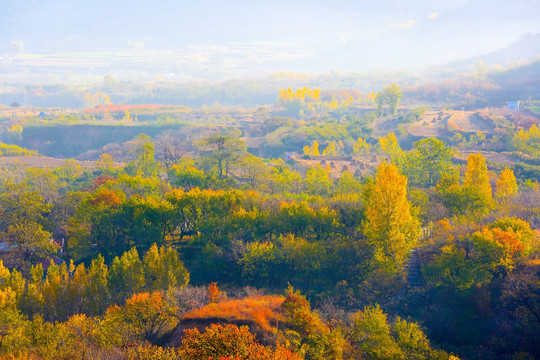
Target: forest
(307, 219)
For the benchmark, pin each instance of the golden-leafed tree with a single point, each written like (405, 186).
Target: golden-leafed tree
(477, 175)
(389, 145)
(390, 227)
(506, 184)
(477, 181)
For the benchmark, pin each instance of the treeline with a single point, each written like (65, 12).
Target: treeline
(58, 291)
(481, 87)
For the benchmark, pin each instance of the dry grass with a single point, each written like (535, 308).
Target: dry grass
(505, 158)
(438, 123)
(262, 310)
(466, 121)
(42, 162)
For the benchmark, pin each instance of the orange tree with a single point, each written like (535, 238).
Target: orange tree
(228, 342)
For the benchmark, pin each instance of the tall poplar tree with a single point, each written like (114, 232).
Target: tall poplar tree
(477, 182)
(506, 184)
(389, 226)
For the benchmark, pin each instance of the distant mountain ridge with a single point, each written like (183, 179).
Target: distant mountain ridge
(525, 48)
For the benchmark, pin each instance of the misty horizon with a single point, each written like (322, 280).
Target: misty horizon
(216, 41)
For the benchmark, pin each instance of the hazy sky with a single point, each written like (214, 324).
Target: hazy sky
(306, 35)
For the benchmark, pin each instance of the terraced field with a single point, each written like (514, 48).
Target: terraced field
(41, 162)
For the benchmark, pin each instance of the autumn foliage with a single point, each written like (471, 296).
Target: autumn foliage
(229, 342)
(145, 316)
(264, 311)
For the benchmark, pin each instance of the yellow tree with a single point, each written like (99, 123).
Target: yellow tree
(330, 150)
(106, 164)
(314, 150)
(506, 184)
(127, 117)
(389, 226)
(477, 180)
(144, 317)
(97, 287)
(12, 337)
(361, 147)
(54, 290)
(78, 337)
(12, 279)
(390, 146)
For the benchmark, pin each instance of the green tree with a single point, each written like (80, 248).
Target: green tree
(20, 204)
(457, 198)
(145, 164)
(262, 264)
(222, 150)
(304, 259)
(299, 218)
(379, 101)
(284, 180)
(126, 275)
(347, 184)
(307, 333)
(139, 221)
(163, 269)
(106, 164)
(186, 175)
(22, 216)
(426, 163)
(96, 291)
(69, 172)
(44, 182)
(29, 242)
(392, 95)
(414, 343)
(390, 146)
(317, 181)
(253, 170)
(57, 304)
(372, 335)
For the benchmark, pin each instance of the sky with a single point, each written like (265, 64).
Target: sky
(252, 37)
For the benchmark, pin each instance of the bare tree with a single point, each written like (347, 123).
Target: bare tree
(189, 298)
(170, 147)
